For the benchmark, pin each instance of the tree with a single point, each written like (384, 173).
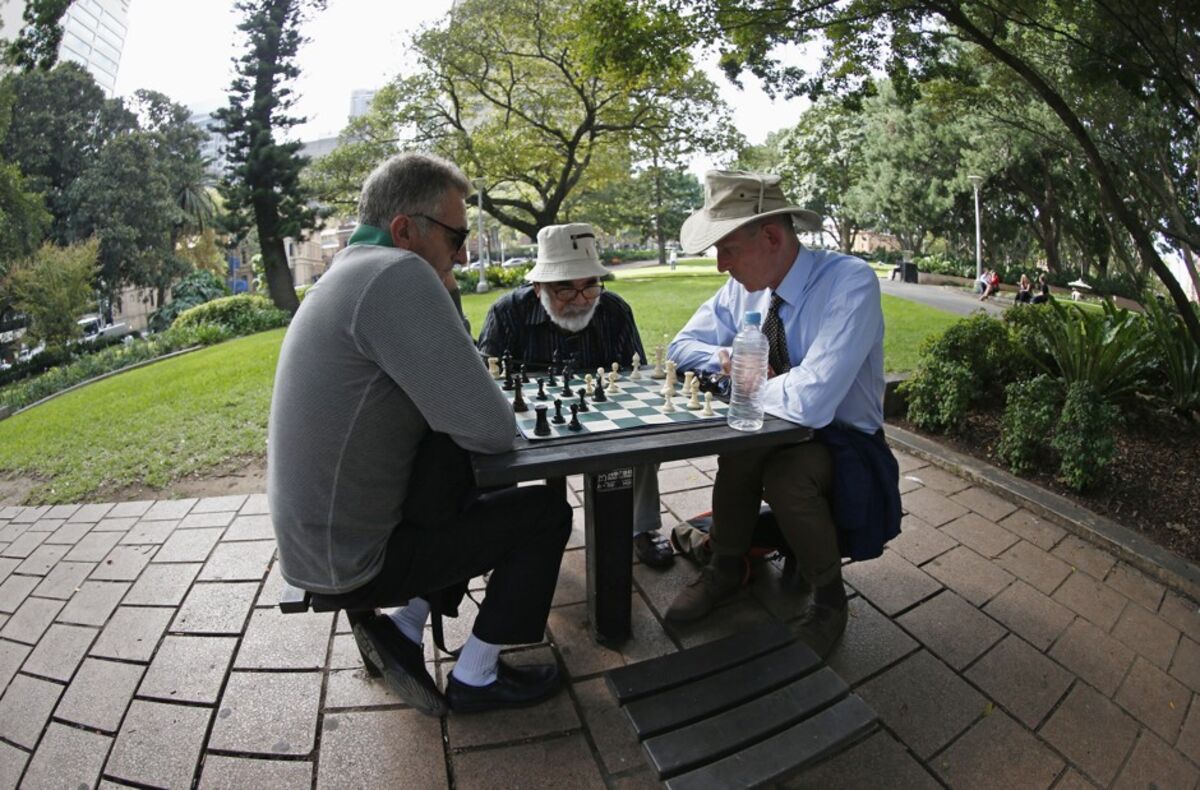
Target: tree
(822, 158)
(263, 187)
(54, 287)
(518, 92)
(1120, 78)
(59, 122)
(36, 47)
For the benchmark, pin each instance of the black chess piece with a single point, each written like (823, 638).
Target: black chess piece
(567, 391)
(519, 400)
(542, 426)
(524, 375)
(575, 424)
(551, 381)
(558, 419)
(598, 396)
(582, 399)
(541, 393)
(508, 377)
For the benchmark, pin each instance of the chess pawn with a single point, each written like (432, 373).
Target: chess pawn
(494, 367)
(668, 406)
(636, 374)
(612, 383)
(589, 383)
(708, 409)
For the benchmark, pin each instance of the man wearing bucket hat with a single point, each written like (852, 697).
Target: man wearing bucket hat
(566, 313)
(379, 393)
(836, 496)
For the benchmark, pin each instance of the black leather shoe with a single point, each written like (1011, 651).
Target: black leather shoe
(821, 627)
(514, 687)
(387, 652)
(653, 550)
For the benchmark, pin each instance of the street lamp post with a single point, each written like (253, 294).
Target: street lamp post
(482, 287)
(975, 180)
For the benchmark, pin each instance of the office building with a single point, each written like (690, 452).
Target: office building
(360, 102)
(93, 35)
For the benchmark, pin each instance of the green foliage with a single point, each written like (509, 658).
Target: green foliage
(262, 187)
(497, 276)
(968, 364)
(1084, 435)
(78, 368)
(1110, 350)
(1176, 358)
(36, 46)
(243, 314)
(196, 288)
(1030, 415)
(943, 263)
(54, 287)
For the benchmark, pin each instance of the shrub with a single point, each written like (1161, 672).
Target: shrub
(197, 288)
(244, 314)
(1176, 358)
(1084, 435)
(940, 394)
(940, 263)
(1030, 414)
(967, 364)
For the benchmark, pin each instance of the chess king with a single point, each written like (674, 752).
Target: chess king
(565, 313)
(837, 495)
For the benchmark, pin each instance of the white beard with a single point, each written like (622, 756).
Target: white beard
(571, 318)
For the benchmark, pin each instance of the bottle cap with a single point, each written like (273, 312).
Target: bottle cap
(753, 317)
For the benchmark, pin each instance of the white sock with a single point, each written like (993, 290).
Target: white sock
(477, 662)
(410, 619)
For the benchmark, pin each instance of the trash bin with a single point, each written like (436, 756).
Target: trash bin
(910, 271)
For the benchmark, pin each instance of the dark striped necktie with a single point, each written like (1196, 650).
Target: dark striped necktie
(773, 329)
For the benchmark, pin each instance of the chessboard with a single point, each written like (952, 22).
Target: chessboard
(638, 403)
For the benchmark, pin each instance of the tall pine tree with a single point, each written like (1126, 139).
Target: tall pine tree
(262, 186)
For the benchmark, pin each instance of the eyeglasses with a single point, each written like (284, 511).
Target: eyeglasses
(458, 236)
(567, 293)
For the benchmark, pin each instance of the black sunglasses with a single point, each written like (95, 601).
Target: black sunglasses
(458, 236)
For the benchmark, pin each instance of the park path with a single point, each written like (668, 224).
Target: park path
(139, 644)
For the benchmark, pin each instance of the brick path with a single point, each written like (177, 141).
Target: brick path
(139, 644)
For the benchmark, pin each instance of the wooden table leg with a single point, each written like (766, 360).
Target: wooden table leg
(608, 521)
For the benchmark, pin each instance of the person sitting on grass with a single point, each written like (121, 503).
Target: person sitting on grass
(1024, 291)
(566, 314)
(1043, 294)
(379, 395)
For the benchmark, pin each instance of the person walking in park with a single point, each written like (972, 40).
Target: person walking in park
(379, 395)
(837, 495)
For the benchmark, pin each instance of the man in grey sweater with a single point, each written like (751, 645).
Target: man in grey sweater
(379, 394)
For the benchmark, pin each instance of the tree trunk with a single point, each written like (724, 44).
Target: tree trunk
(279, 276)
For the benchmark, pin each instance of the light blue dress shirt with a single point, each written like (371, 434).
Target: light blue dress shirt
(834, 324)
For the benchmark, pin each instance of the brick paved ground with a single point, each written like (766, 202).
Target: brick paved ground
(139, 645)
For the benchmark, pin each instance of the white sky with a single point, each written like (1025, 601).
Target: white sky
(185, 48)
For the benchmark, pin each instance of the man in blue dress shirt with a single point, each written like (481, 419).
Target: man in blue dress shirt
(825, 324)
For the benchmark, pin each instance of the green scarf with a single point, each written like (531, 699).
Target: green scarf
(369, 234)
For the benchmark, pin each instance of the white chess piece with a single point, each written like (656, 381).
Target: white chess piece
(694, 402)
(636, 374)
(494, 367)
(612, 384)
(708, 409)
(671, 378)
(668, 407)
(589, 384)
(658, 364)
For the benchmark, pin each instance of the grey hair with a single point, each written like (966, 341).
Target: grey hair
(409, 183)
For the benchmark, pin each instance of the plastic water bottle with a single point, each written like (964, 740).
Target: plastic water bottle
(748, 375)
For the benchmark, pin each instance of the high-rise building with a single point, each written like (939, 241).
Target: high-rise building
(93, 35)
(212, 147)
(360, 102)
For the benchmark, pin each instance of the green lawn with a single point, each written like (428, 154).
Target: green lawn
(200, 411)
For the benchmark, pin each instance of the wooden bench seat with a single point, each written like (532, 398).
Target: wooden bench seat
(739, 712)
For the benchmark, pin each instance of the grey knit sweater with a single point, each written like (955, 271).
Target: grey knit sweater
(376, 356)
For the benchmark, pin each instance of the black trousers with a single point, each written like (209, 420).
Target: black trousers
(452, 533)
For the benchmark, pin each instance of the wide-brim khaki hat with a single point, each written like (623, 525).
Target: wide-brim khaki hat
(566, 252)
(733, 198)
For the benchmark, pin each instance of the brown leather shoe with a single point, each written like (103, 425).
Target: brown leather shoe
(821, 627)
(716, 581)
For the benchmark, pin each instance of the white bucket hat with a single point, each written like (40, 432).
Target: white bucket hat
(733, 198)
(566, 252)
